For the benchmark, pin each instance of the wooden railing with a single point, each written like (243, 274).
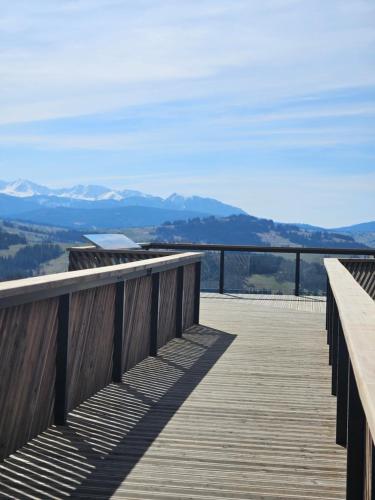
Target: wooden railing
(350, 323)
(90, 256)
(63, 337)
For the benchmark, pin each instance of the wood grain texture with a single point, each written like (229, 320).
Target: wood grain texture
(357, 315)
(90, 344)
(27, 372)
(89, 257)
(136, 341)
(167, 307)
(363, 271)
(239, 409)
(25, 290)
(188, 297)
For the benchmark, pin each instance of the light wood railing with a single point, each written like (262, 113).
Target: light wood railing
(350, 323)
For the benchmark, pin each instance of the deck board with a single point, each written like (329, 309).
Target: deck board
(238, 409)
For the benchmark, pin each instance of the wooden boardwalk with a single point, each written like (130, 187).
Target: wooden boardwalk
(238, 409)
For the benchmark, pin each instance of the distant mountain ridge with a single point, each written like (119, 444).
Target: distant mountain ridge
(72, 196)
(96, 207)
(248, 230)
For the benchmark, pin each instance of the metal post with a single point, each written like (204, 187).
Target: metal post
(154, 314)
(334, 353)
(297, 273)
(118, 331)
(330, 328)
(61, 397)
(179, 301)
(197, 292)
(342, 389)
(372, 471)
(221, 282)
(355, 442)
(327, 304)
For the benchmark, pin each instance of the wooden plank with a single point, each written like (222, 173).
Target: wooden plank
(90, 349)
(188, 296)
(167, 307)
(31, 289)
(136, 343)
(27, 372)
(357, 315)
(237, 409)
(363, 270)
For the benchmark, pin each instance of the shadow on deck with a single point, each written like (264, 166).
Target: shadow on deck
(108, 434)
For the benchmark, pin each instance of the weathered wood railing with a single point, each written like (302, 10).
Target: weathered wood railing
(350, 323)
(63, 337)
(87, 257)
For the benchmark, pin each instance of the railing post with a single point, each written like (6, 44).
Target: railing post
(179, 301)
(61, 389)
(372, 471)
(197, 292)
(118, 331)
(355, 442)
(334, 349)
(328, 300)
(222, 271)
(342, 389)
(154, 314)
(330, 328)
(297, 274)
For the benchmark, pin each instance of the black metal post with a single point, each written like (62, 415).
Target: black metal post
(342, 389)
(222, 270)
(297, 274)
(355, 442)
(118, 331)
(61, 396)
(154, 314)
(334, 349)
(331, 327)
(328, 298)
(373, 472)
(197, 292)
(179, 301)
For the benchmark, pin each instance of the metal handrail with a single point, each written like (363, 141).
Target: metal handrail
(264, 249)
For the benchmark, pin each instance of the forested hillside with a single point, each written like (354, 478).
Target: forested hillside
(255, 272)
(248, 230)
(30, 250)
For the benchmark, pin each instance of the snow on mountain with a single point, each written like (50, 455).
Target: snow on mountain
(50, 197)
(23, 188)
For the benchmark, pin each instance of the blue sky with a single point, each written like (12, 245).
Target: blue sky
(269, 105)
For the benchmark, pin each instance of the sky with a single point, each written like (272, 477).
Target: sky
(265, 104)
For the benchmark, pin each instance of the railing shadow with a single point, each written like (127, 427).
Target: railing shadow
(108, 434)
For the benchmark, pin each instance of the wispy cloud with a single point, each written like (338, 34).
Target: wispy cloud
(174, 95)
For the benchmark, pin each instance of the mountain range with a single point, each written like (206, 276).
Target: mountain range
(95, 206)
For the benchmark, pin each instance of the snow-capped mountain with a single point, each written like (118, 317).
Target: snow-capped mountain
(26, 189)
(30, 201)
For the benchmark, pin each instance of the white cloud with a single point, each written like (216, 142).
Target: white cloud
(66, 58)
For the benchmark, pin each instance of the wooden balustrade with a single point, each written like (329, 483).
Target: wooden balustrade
(350, 323)
(63, 337)
(90, 256)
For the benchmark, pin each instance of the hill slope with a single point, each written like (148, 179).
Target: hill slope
(248, 230)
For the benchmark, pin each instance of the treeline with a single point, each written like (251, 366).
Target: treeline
(8, 239)
(248, 230)
(27, 261)
(50, 235)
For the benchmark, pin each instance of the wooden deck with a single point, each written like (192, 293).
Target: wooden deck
(238, 409)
